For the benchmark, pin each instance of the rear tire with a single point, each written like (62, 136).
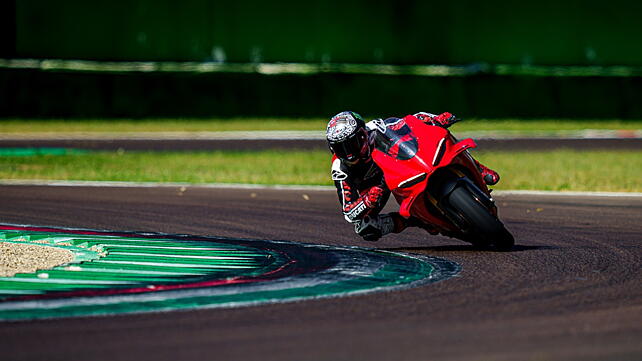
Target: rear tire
(483, 227)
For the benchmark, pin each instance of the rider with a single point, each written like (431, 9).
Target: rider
(360, 183)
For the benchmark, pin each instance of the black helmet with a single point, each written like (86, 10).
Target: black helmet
(347, 137)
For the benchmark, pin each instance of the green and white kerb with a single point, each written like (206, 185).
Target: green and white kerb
(121, 272)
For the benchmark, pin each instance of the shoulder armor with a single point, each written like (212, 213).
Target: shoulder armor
(337, 173)
(376, 124)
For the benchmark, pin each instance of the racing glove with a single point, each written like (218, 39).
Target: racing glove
(373, 197)
(443, 120)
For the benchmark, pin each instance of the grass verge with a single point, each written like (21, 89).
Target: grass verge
(242, 124)
(563, 170)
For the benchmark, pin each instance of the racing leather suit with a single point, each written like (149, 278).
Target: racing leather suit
(363, 192)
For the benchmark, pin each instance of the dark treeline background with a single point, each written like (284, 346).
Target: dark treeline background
(547, 33)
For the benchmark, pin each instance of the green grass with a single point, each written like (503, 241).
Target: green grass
(532, 125)
(199, 125)
(567, 170)
(266, 167)
(554, 170)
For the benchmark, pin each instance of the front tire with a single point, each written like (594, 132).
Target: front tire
(483, 228)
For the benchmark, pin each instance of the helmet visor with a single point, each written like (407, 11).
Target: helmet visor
(352, 148)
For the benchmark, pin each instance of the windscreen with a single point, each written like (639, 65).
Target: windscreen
(397, 140)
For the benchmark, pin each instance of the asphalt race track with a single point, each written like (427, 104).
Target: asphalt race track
(570, 290)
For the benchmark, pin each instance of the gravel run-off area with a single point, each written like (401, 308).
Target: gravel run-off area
(28, 258)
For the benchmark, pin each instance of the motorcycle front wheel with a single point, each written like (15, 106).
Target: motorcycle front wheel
(483, 227)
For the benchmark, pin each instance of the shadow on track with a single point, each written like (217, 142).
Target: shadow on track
(463, 248)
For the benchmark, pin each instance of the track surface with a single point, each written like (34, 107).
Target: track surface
(571, 290)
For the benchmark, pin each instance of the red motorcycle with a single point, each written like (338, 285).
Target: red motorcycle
(435, 180)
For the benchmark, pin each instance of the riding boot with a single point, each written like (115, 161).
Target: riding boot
(490, 176)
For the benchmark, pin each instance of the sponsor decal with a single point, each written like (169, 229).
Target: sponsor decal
(338, 175)
(356, 211)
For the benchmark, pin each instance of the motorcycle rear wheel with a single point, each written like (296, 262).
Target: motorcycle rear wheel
(484, 227)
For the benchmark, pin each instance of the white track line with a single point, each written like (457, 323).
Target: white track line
(204, 135)
(312, 135)
(569, 193)
(60, 183)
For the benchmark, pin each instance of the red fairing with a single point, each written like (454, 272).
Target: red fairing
(425, 149)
